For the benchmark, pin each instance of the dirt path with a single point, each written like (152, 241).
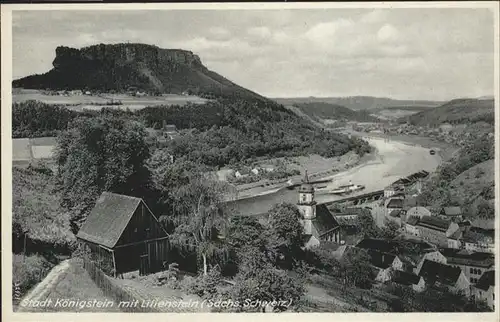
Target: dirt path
(42, 289)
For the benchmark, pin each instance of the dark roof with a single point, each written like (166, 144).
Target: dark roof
(324, 221)
(107, 221)
(380, 259)
(413, 220)
(434, 223)
(437, 272)
(395, 203)
(405, 278)
(486, 280)
(451, 211)
(458, 257)
(381, 245)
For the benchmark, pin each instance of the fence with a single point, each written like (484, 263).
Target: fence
(114, 291)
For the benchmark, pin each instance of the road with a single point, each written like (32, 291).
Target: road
(42, 289)
(393, 160)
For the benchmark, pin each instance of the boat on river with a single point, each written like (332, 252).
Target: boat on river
(347, 189)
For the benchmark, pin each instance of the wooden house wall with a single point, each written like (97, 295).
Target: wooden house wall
(142, 226)
(128, 257)
(99, 255)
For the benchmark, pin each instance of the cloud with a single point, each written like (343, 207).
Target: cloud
(375, 16)
(260, 32)
(413, 53)
(388, 33)
(219, 33)
(325, 31)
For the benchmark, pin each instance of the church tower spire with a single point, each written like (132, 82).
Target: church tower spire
(307, 204)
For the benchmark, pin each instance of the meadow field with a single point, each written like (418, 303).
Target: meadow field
(98, 101)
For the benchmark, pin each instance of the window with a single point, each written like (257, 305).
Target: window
(303, 198)
(472, 271)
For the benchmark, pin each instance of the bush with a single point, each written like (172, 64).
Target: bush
(205, 286)
(27, 272)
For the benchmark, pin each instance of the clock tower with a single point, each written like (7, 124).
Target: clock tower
(307, 204)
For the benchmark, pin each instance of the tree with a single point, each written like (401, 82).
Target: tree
(246, 231)
(367, 225)
(258, 280)
(99, 154)
(201, 220)
(286, 233)
(355, 268)
(390, 230)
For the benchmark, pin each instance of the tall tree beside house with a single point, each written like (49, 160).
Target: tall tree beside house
(258, 279)
(97, 154)
(201, 220)
(355, 268)
(367, 225)
(285, 236)
(167, 177)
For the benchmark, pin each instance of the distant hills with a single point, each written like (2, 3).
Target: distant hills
(455, 111)
(325, 111)
(123, 67)
(360, 102)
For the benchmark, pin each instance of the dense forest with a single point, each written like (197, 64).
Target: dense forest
(325, 111)
(37, 119)
(455, 112)
(441, 189)
(221, 132)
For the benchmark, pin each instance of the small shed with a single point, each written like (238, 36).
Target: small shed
(123, 235)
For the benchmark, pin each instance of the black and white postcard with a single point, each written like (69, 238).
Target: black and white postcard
(250, 158)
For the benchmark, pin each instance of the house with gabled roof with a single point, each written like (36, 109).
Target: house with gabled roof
(436, 230)
(473, 264)
(123, 235)
(382, 257)
(452, 213)
(479, 240)
(414, 281)
(484, 289)
(444, 275)
(410, 226)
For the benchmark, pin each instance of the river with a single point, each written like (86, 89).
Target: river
(392, 160)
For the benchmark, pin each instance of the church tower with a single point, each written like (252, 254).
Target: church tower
(307, 204)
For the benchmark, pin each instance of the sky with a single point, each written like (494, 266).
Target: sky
(435, 54)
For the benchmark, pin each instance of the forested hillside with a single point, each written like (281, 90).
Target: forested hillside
(454, 112)
(37, 119)
(325, 111)
(467, 180)
(217, 132)
(124, 67)
(230, 131)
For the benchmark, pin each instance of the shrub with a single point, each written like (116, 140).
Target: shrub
(205, 286)
(27, 272)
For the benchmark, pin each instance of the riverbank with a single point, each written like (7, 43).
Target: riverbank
(337, 165)
(391, 161)
(445, 150)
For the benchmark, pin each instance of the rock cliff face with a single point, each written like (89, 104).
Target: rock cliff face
(121, 67)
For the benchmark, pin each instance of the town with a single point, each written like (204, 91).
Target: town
(144, 180)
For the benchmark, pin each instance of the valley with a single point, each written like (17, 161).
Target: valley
(151, 176)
